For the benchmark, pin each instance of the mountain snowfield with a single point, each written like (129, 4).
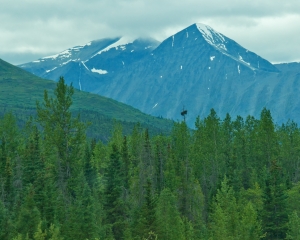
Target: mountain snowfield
(197, 69)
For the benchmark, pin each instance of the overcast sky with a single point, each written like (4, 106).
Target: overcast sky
(30, 29)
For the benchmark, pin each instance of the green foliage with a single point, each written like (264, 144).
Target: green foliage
(169, 225)
(293, 227)
(114, 204)
(293, 198)
(232, 220)
(39, 234)
(19, 91)
(28, 211)
(275, 216)
(56, 183)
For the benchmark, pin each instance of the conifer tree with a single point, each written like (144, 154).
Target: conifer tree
(114, 205)
(9, 145)
(267, 145)
(225, 215)
(293, 227)
(250, 225)
(125, 163)
(6, 224)
(212, 163)
(182, 164)
(63, 134)
(169, 225)
(29, 216)
(63, 147)
(289, 138)
(275, 215)
(145, 218)
(39, 234)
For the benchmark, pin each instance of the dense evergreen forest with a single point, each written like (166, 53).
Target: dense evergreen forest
(226, 179)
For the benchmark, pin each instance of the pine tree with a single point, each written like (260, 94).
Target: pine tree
(145, 218)
(169, 225)
(54, 233)
(39, 234)
(6, 224)
(160, 159)
(289, 138)
(10, 143)
(182, 164)
(81, 223)
(29, 216)
(275, 216)
(267, 145)
(63, 148)
(125, 163)
(114, 205)
(63, 134)
(225, 214)
(250, 225)
(293, 199)
(293, 227)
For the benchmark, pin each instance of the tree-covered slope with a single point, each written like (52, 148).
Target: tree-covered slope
(19, 91)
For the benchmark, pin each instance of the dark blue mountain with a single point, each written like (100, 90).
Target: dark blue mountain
(198, 69)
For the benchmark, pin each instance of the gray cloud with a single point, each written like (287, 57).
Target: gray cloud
(32, 28)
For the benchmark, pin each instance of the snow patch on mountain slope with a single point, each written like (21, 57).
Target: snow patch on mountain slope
(155, 105)
(67, 53)
(64, 63)
(120, 43)
(85, 65)
(47, 71)
(241, 59)
(99, 71)
(64, 54)
(212, 37)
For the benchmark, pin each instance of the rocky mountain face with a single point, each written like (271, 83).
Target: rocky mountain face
(196, 69)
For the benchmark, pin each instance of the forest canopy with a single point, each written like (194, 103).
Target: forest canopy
(226, 179)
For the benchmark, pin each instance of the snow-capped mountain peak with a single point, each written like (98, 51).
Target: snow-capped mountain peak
(212, 37)
(92, 60)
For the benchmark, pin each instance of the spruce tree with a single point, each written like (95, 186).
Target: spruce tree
(62, 147)
(114, 205)
(293, 227)
(275, 215)
(169, 225)
(29, 216)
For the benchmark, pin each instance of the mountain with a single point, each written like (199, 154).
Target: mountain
(92, 64)
(198, 69)
(20, 90)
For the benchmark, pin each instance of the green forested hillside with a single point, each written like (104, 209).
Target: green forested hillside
(228, 179)
(19, 91)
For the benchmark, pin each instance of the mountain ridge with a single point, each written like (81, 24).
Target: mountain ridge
(198, 69)
(20, 90)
